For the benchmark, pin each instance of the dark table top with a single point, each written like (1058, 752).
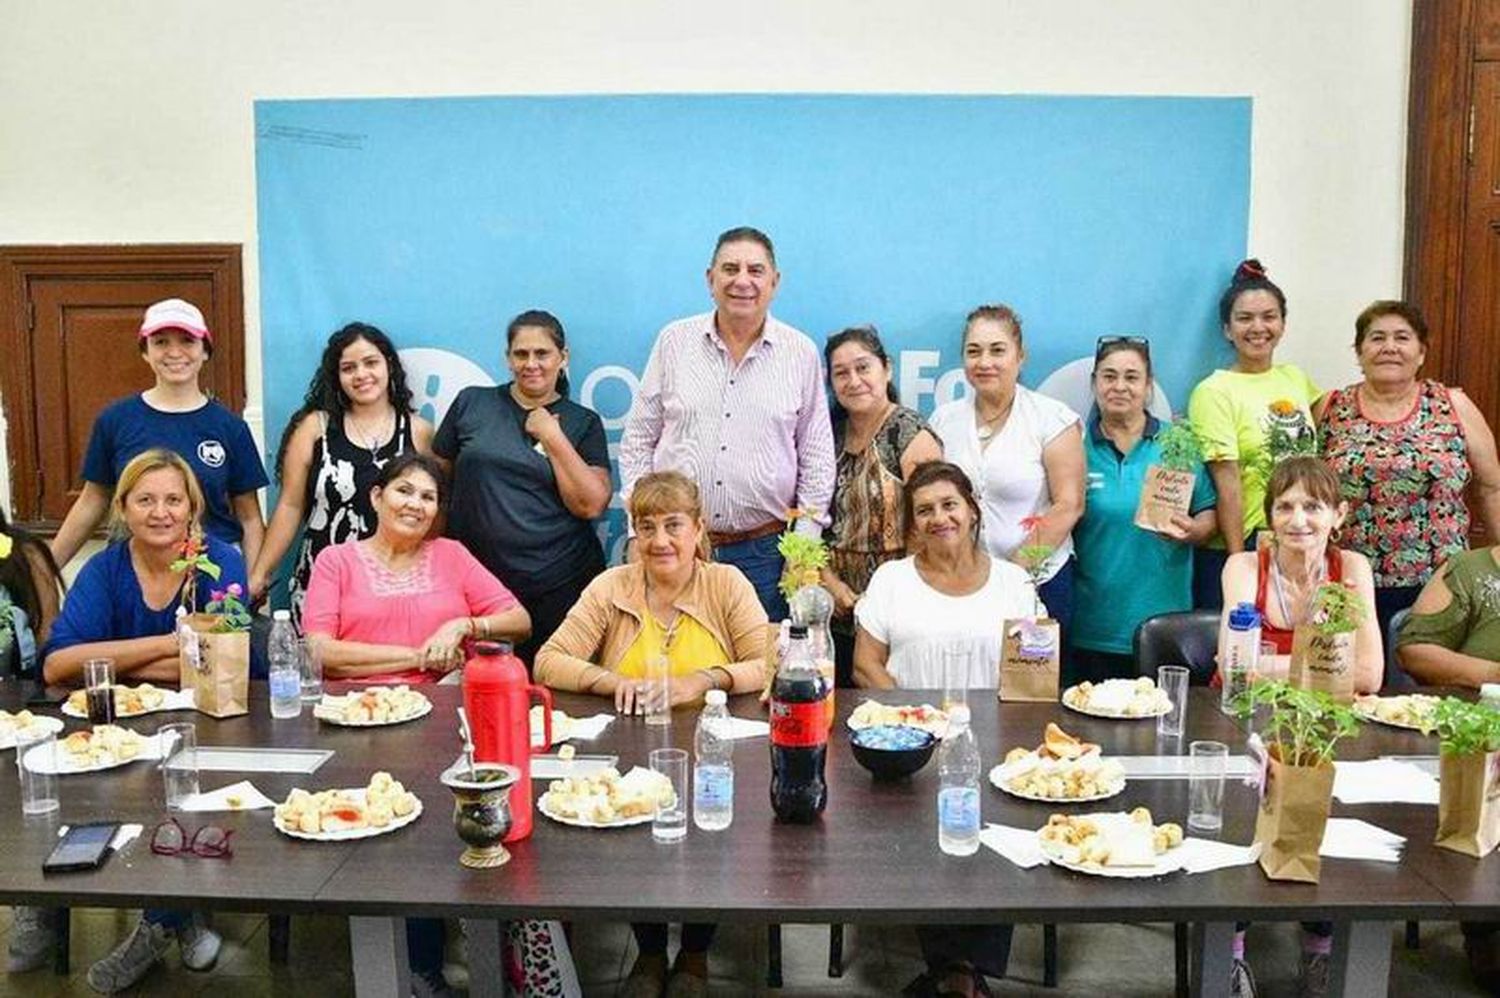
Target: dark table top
(873, 856)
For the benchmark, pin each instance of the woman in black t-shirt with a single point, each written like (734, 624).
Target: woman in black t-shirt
(530, 475)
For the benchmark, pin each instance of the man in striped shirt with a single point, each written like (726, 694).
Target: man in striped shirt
(734, 399)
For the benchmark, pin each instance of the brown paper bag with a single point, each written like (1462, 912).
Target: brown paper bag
(215, 666)
(1163, 493)
(1030, 656)
(1293, 813)
(1324, 662)
(1469, 803)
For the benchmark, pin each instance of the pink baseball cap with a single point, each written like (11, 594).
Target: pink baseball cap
(174, 313)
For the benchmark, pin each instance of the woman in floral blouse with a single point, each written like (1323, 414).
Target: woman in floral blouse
(1405, 448)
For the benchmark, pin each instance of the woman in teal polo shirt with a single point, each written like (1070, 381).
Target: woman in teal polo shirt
(1127, 573)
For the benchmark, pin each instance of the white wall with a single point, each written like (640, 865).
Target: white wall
(132, 122)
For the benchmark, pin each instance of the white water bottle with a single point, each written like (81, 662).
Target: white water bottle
(713, 766)
(958, 791)
(1241, 653)
(286, 666)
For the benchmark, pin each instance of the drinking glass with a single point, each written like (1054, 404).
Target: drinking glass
(38, 789)
(956, 661)
(658, 690)
(99, 693)
(670, 822)
(1208, 762)
(310, 656)
(179, 762)
(1173, 680)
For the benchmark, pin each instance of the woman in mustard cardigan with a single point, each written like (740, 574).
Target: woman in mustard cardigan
(708, 622)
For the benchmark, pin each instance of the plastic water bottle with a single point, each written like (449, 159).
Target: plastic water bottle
(1241, 653)
(713, 767)
(958, 793)
(286, 667)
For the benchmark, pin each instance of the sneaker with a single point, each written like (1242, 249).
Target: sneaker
(430, 986)
(131, 959)
(1241, 981)
(1313, 982)
(198, 944)
(33, 935)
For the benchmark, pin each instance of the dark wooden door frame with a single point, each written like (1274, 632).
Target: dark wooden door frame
(1437, 151)
(219, 263)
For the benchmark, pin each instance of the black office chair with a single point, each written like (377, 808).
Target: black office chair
(1396, 680)
(1190, 638)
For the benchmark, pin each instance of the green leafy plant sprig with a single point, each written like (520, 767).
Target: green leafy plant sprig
(1336, 609)
(805, 556)
(1033, 555)
(1464, 728)
(1179, 447)
(1305, 725)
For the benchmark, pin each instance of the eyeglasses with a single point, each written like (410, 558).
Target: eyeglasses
(1105, 342)
(208, 842)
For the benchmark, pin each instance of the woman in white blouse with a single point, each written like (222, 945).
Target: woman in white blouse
(949, 593)
(1023, 452)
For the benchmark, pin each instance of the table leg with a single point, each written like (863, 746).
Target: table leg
(1213, 955)
(486, 977)
(1361, 962)
(378, 952)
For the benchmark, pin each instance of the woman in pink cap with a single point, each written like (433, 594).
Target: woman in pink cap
(177, 414)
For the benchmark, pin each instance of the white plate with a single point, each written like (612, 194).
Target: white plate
(544, 805)
(1165, 708)
(345, 834)
(934, 726)
(150, 751)
(1167, 862)
(1364, 715)
(38, 723)
(175, 700)
(998, 774)
(421, 711)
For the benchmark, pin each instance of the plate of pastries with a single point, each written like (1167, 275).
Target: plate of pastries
(382, 806)
(1111, 844)
(373, 707)
(1062, 768)
(133, 701)
(104, 746)
(24, 722)
(1409, 710)
(871, 714)
(607, 799)
(1118, 698)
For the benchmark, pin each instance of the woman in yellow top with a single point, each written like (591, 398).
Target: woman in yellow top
(710, 625)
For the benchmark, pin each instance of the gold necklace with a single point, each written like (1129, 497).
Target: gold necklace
(987, 427)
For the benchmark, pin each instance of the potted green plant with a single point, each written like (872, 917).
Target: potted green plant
(1300, 735)
(213, 642)
(1469, 777)
(1323, 644)
(1168, 487)
(1030, 659)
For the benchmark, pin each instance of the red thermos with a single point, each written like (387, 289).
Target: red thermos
(497, 698)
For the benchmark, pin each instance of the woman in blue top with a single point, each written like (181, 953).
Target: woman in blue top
(175, 413)
(123, 606)
(1127, 573)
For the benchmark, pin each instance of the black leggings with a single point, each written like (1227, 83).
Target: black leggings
(651, 937)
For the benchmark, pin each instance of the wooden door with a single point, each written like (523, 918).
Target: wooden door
(1479, 294)
(74, 315)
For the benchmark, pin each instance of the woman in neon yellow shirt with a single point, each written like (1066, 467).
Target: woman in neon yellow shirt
(1238, 410)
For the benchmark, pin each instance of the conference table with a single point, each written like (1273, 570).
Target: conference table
(871, 858)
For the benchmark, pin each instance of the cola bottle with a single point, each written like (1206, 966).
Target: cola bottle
(799, 734)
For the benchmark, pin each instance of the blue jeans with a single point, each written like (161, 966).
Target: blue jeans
(167, 918)
(761, 563)
(1057, 594)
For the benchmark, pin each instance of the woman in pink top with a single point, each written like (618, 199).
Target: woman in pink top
(396, 607)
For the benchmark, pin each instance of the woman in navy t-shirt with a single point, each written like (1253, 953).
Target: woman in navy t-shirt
(176, 414)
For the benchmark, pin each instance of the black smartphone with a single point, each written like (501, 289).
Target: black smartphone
(83, 847)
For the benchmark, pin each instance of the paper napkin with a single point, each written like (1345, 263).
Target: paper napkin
(250, 799)
(1205, 855)
(1019, 845)
(1382, 781)
(1350, 838)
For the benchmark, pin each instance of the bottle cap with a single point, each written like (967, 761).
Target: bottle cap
(282, 615)
(798, 631)
(1244, 617)
(715, 698)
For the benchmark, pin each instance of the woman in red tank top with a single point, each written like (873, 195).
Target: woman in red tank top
(1304, 509)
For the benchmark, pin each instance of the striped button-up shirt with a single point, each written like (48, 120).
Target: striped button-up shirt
(755, 435)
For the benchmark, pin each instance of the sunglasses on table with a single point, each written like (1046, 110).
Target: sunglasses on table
(208, 842)
(1102, 345)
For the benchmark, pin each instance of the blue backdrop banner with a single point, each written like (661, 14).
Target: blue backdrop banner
(439, 219)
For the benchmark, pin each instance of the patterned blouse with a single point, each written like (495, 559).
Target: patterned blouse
(866, 531)
(1404, 481)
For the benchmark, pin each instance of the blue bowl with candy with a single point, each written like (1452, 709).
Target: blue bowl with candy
(892, 751)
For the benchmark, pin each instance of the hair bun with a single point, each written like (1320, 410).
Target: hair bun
(1249, 270)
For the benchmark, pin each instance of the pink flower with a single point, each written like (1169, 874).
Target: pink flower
(217, 595)
(235, 589)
